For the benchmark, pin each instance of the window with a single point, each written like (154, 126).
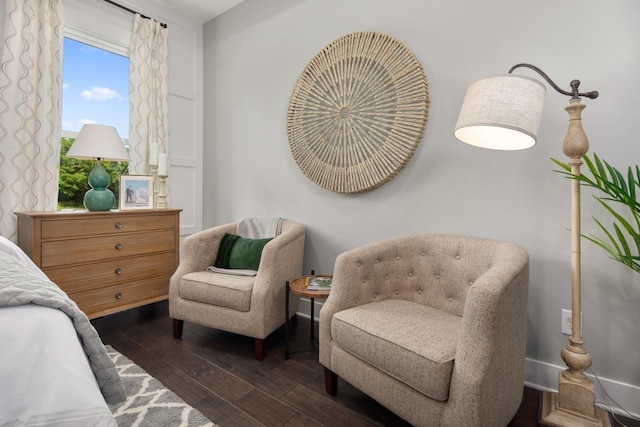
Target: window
(95, 90)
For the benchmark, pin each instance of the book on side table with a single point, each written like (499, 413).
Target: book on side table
(318, 283)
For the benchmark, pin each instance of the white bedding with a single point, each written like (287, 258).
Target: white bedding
(45, 377)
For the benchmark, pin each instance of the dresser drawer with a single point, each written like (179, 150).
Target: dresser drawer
(76, 251)
(58, 228)
(111, 299)
(106, 273)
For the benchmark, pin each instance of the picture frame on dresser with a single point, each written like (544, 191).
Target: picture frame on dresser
(136, 192)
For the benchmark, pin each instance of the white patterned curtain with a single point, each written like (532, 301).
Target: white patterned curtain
(30, 109)
(149, 90)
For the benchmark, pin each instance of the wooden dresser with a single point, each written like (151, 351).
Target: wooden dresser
(105, 261)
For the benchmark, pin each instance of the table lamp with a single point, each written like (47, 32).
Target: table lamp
(503, 112)
(98, 142)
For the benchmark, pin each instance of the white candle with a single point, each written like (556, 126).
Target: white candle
(163, 164)
(153, 154)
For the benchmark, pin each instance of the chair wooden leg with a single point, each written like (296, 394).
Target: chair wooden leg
(258, 348)
(177, 328)
(330, 382)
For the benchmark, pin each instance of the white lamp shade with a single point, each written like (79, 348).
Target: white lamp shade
(501, 112)
(98, 142)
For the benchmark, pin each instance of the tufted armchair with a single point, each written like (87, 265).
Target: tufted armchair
(431, 326)
(248, 305)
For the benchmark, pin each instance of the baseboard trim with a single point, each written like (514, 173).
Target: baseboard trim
(304, 310)
(544, 376)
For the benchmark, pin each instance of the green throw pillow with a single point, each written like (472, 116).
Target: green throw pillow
(224, 251)
(237, 252)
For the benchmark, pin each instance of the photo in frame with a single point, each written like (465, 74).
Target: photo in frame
(136, 192)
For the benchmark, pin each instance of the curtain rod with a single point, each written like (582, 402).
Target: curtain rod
(132, 11)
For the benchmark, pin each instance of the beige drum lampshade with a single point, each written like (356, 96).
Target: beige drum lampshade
(501, 112)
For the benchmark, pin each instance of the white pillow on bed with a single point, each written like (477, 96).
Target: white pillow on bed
(14, 250)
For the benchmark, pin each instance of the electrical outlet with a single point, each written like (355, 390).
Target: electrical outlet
(566, 322)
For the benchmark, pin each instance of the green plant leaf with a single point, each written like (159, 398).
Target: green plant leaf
(563, 165)
(623, 242)
(632, 185)
(618, 192)
(613, 250)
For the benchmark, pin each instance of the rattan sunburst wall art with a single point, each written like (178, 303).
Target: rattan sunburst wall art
(358, 112)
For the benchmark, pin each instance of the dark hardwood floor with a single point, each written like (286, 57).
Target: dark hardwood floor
(215, 372)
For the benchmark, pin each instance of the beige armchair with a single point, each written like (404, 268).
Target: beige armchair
(250, 306)
(433, 327)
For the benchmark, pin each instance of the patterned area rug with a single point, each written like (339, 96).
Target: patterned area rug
(149, 403)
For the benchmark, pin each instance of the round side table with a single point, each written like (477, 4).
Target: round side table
(299, 286)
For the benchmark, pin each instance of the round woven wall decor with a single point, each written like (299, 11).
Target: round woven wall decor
(358, 112)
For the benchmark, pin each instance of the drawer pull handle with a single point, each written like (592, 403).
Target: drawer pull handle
(118, 295)
(118, 225)
(118, 246)
(118, 271)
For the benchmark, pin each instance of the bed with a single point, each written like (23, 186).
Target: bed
(54, 369)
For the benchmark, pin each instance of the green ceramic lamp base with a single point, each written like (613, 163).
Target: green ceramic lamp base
(99, 198)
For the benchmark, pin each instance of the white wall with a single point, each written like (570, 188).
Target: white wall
(254, 54)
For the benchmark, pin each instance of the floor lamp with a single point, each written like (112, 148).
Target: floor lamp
(503, 112)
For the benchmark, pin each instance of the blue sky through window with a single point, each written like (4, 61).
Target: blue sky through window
(95, 88)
